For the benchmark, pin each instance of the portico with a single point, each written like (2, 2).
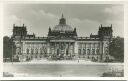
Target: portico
(62, 48)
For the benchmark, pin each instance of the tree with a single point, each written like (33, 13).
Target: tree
(7, 47)
(116, 48)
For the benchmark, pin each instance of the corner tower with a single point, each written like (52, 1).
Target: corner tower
(105, 32)
(19, 31)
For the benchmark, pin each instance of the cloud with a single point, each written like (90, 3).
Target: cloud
(114, 9)
(47, 14)
(115, 17)
(8, 24)
(41, 21)
(85, 27)
(118, 27)
(86, 18)
(37, 22)
(9, 20)
(116, 12)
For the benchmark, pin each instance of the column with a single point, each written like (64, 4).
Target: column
(90, 49)
(76, 49)
(48, 48)
(94, 48)
(101, 50)
(104, 49)
(54, 47)
(64, 48)
(73, 48)
(68, 48)
(85, 49)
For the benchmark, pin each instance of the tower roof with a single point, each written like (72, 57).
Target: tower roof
(62, 26)
(62, 20)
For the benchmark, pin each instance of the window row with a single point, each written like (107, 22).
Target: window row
(88, 45)
(88, 51)
(35, 45)
(36, 51)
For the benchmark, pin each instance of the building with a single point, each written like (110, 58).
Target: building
(61, 43)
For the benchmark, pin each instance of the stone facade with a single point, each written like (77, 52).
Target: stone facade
(62, 43)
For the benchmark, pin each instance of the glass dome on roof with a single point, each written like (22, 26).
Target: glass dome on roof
(62, 26)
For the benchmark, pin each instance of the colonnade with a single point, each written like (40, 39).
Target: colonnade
(88, 48)
(62, 48)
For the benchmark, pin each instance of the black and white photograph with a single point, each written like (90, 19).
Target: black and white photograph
(64, 80)
(63, 40)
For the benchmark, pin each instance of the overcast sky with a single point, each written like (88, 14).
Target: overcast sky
(85, 17)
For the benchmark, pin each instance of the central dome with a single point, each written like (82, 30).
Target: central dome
(62, 28)
(62, 25)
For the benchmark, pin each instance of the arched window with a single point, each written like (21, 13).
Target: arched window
(66, 51)
(52, 51)
(107, 58)
(27, 51)
(36, 56)
(36, 51)
(93, 51)
(57, 51)
(97, 51)
(40, 56)
(88, 51)
(41, 51)
(97, 57)
(84, 51)
(80, 45)
(79, 51)
(18, 50)
(106, 51)
(45, 50)
(93, 58)
(32, 51)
